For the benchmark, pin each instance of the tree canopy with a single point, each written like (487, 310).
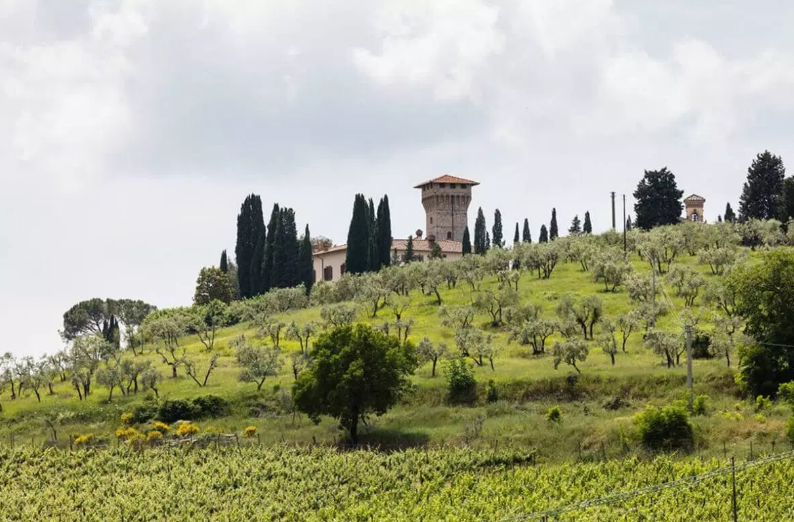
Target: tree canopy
(480, 234)
(761, 192)
(658, 200)
(250, 233)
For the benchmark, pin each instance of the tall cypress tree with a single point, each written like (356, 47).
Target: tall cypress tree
(409, 250)
(358, 237)
(760, 197)
(544, 235)
(373, 256)
(480, 246)
(526, 235)
(384, 232)
(250, 228)
(516, 236)
(629, 226)
(553, 230)
(587, 227)
(466, 247)
(224, 264)
(306, 262)
(497, 239)
(729, 215)
(786, 203)
(257, 268)
(291, 276)
(267, 256)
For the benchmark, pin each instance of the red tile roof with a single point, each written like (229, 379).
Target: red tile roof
(446, 178)
(695, 197)
(420, 245)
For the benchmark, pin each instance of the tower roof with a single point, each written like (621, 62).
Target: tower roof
(694, 198)
(446, 178)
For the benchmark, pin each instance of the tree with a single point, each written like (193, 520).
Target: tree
(570, 351)
(384, 239)
(84, 318)
(409, 250)
(429, 352)
(86, 355)
(250, 230)
(587, 228)
(516, 236)
(206, 320)
(497, 239)
(607, 340)
(658, 200)
(786, 203)
(526, 236)
(212, 285)
(466, 248)
(553, 230)
(435, 252)
(373, 255)
(302, 334)
(358, 237)
(356, 371)
(628, 223)
(627, 324)
(480, 241)
(472, 342)
(149, 379)
(576, 225)
(761, 192)
(191, 368)
(258, 363)
(665, 344)
(268, 250)
(585, 311)
(284, 273)
(224, 264)
(544, 235)
(729, 216)
(306, 262)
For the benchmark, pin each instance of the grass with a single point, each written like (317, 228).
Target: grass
(527, 386)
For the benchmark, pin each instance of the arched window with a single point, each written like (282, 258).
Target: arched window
(449, 235)
(695, 216)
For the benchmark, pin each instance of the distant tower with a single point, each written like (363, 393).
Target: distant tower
(446, 201)
(694, 207)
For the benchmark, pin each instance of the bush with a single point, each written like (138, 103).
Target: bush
(210, 406)
(616, 404)
(154, 436)
(554, 414)
(701, 347)
(762, 403)
(700, 405)
(492, 393)
(161, 427)
(143, 413)
(786, 392)
(173, 410)
(250, 431)
(665, 428)
(126, 419)
(461, 384)
(83, 441)
(790, 430)
(187, 429)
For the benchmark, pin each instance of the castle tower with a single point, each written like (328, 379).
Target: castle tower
(446, 201)
(694, 207)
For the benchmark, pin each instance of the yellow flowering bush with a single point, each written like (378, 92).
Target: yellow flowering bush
(213, 429)
(126, 419)
(250, 431)
(186, 429)
(162, 427)
(154, 436)
(126, 433)
(83, 440)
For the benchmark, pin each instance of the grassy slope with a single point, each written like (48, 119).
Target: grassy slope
(527, 384)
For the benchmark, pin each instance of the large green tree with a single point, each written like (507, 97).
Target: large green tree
(267, 253)
(224, 264)
(358, 237)
(729, 216)
(544, 235)
(466, 247)
(250, 231)
(517, 235)
(356, 371)
(576, 226)
(553, 229)
(285, 252)
(480, 239)
(760, 197)
(587, 227)
(497, 237)
(373, 254)
(384, 232)
(658, 200)
(212, 284)
(306, 262)
(786, 206)
(526, 235)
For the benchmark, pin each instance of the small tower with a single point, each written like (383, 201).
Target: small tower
(446, 201)
(694, 208)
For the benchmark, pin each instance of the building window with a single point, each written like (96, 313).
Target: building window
(452, 185)
(343, 269)
(431, 220)
(442, 185)
(328, 273)
(694, 216)
(314, 275)
(449, 235)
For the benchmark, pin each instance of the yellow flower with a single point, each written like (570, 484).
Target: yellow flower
(250, 431)
(126, 419)
(186, 429)
(154, 436)
(161, 427)
(83, 440)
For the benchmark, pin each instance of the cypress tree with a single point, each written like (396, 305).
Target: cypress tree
(257, 266)
(719, 218)
(497, 238)
(729, 215)
(544, 235)
(224, 264)
(553, 231)
(576, 226)
(358, 237)
(250, 228)
(487, 241)
(587, 228)
(480, 246)
(306, 263)
(526, 235)
(373, 256)
(267, 263)
(409, 250)
(628, 223)
(760, 197)
(384, 232)
(516, 236)
(466, 242)
(786, 203)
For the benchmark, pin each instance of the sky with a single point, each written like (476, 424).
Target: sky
(132, 130)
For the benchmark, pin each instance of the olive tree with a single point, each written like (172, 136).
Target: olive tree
(430, 352)
(569, 351)
(258, 363)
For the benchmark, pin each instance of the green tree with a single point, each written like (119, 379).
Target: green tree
(85, 317)
(435, 251)
(587, 228)
(497, 239)
(384, 232)
(576, 226)
(306, 262)
(526, 236)
(729, 216)
(356, 371)
(553, 229)
(258, 363)
(658, 199)
(429, 352)
(466, 247)
(480, 240)
(212, 284)
(224, 264)
(628, 223)
(761, 192)
(409, 250)
(544, 235)
(285, 252)
(570, 351)
(250, 231)
(358, 237)
(786, 205)
(516, 236)
(267, 253)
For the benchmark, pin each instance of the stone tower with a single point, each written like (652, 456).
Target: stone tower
(446, 201)
(693, 206)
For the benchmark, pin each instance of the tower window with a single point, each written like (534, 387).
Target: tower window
(452, 185)
(449, 235)
(442, 185)
(431, 220)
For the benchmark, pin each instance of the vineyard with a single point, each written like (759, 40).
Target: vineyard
(282, 483)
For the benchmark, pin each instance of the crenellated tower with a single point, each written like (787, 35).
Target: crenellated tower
(446, 201)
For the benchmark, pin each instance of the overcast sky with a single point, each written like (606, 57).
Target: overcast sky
(131, 130)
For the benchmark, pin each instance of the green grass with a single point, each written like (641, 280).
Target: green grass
(527, 385)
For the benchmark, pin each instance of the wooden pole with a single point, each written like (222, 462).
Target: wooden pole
(733, 483)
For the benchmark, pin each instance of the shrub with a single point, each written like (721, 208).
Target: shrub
(700, 405)
(173, 410)
(162, 427)
(83, 440)
(492, 393)
(701, 347)
(250, 431)
(126, 433)
(762, 403)
(616, 404)
(665, 428)
(126, 419)
(790, 430)
(210, 406)
(554, 414)
(154, 436)
(461, 384)
(187, 429)
(143, 413)
(786, 392)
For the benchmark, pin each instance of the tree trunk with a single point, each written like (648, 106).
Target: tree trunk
(36, 391)
(728, 357)
(79, 393)
(354, 426)
(438, 297)
(110, 397)
(433, 373)
(13, 391)
(49, 385)
(173, 371)
(492, 368)
(591, 329)
(86, 389)
(624, 343)
(576, 368)
(584, 330)
(612, 355)
(156, 393)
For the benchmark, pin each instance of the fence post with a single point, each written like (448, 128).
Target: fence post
(733, 483)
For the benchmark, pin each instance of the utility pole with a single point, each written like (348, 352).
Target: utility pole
(689, 366)
(613, 211)
(624, 222)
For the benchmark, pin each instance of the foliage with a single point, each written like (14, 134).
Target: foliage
(480, 241)
(212, 284)
(461, 383)
(250, 239)
(761, 192)
(497, 237)
(359, 237)
(257, 363)
(173, 410)
(491, 392)
(430, 352)
(658, 200)
(762, 403)
(187, 429)
(544, 235)
(250, 431)
(554, 414)
(666, 428)
(700, 405)
(553, 229)
(526, 235)
(569, 351)
(466, 246)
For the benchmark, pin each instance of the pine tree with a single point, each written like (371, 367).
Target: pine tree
(224, 264)
(384, 232)
(760, 197)
(729, 215)
(358, 237)
(576, 226)
(587, 228)
(526, 235)
(466, 247)
(516, 236)
(250, 226)
(267, 263)
(658, 200)
(480, 246)
(497, 238)
(553, 230)
(544, 235)
(306, 268)
(409, 250)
